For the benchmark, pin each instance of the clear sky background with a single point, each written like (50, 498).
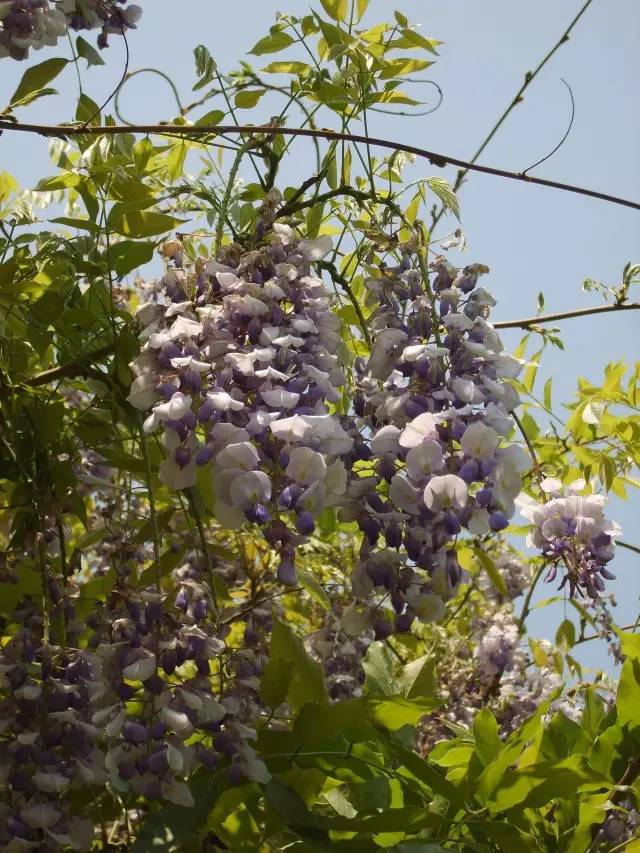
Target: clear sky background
(533, 238)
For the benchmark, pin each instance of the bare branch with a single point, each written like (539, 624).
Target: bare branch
(566, 315)
(438, 160)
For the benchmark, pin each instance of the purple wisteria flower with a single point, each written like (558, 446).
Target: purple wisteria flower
(240, 370)
(573, 534)
(34, 24)
(433, 404)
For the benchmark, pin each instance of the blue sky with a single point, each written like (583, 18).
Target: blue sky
(533, 239)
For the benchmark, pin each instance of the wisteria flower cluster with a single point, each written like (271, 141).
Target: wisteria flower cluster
(490, 667)
(240, 371)
(136, 709)
(33, 24)
(434, 399)
(573, 535)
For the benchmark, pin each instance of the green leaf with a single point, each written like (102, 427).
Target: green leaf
(411, 764)
(143, 223)
(289, 804)
(336, 9)
(8, 185)
(628, 695)
(415, 39)
(276, 41)
(145, 531)
(317, 723)
(289, 663)
(171, 827)
(314, 220)
(87, 110)
(248, 98)
(312, 585)
(210, 118)
(418, 678)
(175, 159)
(485, 731)
(402, 67)
(79, 224)
(287, 68)
(537, 784)
(592, 810)
(205, 66)
(630, 644)
(34, 96)
(29, 584)
(566, 635)
(36, 78)
(128, 255)
(492, 571)
(170, 560)
(378, 666)
(88, 52)
(395, 712)
(442, 189)
(509, 836)
(593, 712)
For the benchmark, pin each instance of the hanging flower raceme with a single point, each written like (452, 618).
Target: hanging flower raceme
(33, 24)
(240, 371)
(49, 751)
(435, 400)
(573, 534)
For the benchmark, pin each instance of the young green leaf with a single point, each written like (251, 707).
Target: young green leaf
(336, 9)
(36, 78)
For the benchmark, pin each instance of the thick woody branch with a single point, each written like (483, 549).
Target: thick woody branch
(438, 160)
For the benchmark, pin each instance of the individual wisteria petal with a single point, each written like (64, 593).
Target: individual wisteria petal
(224, 402)
(141, 670)
(306, 465)
(424, 459)
(250, 488)
(241, 455)
(479, 441)
(445, 491)
(386, 440)
(415, 432)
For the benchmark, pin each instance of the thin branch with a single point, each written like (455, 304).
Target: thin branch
(338, 278)
(526, 607)
(600, 636)
(566, 315)
(628, 546)
(532, 451)
(438, 160)
(529, 77)
(78, 367)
